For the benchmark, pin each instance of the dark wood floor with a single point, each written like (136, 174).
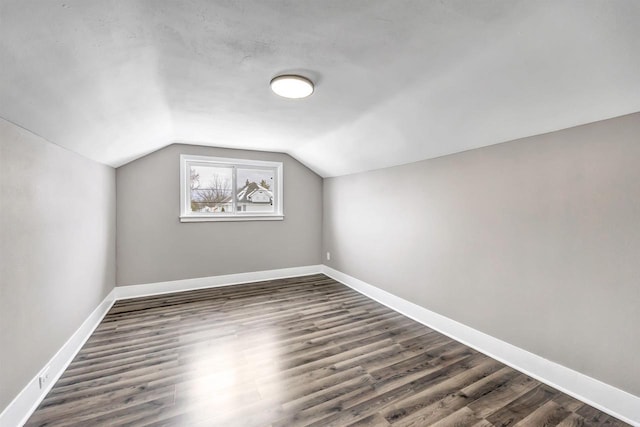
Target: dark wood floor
(291, 352)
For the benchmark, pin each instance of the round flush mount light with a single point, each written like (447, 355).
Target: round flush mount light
(292, 86)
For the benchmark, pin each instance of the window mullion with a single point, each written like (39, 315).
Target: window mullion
(234, 180)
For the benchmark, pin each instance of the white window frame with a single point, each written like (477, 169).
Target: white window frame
(186, 215)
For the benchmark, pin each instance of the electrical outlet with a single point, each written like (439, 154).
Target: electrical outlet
(328, 256)
(43, 378)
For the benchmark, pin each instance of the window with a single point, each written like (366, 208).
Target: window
(221, 189)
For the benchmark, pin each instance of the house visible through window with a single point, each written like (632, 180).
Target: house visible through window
(222, 189)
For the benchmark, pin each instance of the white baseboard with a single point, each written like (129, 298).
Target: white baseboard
(604, 397)
(23, 405)
(148, 289)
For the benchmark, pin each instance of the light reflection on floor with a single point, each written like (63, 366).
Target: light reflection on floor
(224, 377)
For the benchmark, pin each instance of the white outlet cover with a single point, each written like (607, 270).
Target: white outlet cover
(43, 378)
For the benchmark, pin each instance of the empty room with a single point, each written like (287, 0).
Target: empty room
(319, 213)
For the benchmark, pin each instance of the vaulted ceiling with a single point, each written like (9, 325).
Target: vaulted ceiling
(396, 81)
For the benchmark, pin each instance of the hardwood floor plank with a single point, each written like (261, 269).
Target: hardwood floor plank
(463, 417)
(503, 395)
(522, 406)
(427, 407)
(432, 413)
(593, 416)
(573, 420)
(549, 414)
(483, 423)
(290, 352)
(375, 420)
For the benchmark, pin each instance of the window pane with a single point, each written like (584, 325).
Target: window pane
(255, 190)
(211, 189)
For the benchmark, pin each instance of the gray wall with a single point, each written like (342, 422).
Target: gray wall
(153, 245)
(57, 250)
(535, 242)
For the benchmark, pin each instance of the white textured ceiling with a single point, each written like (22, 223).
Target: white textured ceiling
(396, 81)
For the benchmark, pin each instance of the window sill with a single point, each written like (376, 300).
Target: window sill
(207, 218)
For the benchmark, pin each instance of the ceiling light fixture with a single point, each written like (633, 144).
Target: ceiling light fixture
(292, 86)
